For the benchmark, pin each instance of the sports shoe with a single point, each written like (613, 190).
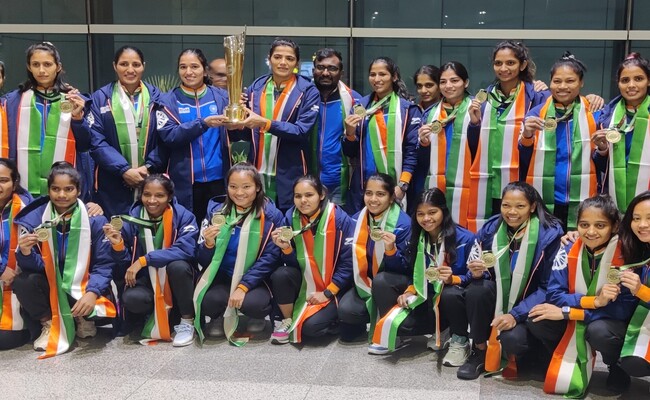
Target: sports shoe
(618, 381)
(184, 333)
(214, 328)
(85, 328)
(256, 325)
(280, 334)
(40, 344)
(473, 367)
(458, 351)
(381, 350)
(444, 341)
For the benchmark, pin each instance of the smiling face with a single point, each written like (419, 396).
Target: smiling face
(129, 68)
(515, 208)
(507, 67)
(241, 189)
(327, 73)
(376, 197)
(565, 85)
(63, 192)
(7, 185)
(44, 68)
(155, 198)
(452, 86)
(306, 198)
(641, 221)
(429, 218)
(380, 79)
(283, 60)
(633, 85)
(191, 71)
(594, 228)
(428, 90)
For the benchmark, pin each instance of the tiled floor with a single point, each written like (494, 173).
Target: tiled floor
(121, 369)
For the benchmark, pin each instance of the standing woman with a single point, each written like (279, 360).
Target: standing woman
(379, 244)
(122, 133)
(503, 111)
(66, 264)
(555, 147)
(628, 158)
(13, 198)
(509, 266)
(635, 246)
(409, 305)
(45, 121)
(190, 125)
(427, 83)
(383, 133)
(317, 264)
(238, 256)
(283, 110)
(155, 251)
(448, 139)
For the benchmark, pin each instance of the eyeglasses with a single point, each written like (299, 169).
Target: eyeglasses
(329, 68)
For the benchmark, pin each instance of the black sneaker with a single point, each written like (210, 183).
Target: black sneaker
(618, 381)
(473, 367)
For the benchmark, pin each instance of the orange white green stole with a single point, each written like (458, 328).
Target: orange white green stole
(449, 164)
(573, 360)
(72, 282)
(637, 337)
(4, 132)
(10, 318)
(315, 254)
(497, 158)
(541, 173)
(34, 155)
(157, 326)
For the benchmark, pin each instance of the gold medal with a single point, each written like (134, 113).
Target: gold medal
(376, 233)
(286, 233)
(436, 127)
(432, 274)
(359, 110)
(614, 276)
(218, 219)
(550, 124)
(116, 222)
(66, 106)
(489, 259)
(481, 96)
(42, 234)
(613, 136)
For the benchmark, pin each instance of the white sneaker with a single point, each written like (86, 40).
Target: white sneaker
(40, 344)
(184, 333)
(214, 328)
(256, 325)
(280, 334)
(444, 341)
(381, 350)
(458, 351)
(85, 328)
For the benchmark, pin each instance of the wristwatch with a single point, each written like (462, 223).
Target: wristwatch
(403, 185)
(328, 293)
(565, 312)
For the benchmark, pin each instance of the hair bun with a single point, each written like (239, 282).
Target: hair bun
(633, 56)
(568, 56)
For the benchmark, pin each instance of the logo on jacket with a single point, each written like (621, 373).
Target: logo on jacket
(90, 119)
(183, 110)
(214, 109)
(314, 108)
(104, 110)
(189, 228)
(161, 119)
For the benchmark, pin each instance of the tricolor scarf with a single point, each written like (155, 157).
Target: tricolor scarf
(511, 283)
(315, 254)
(449, 170)
(385, 333)
(269, 143)
(249, 246)
(157, 326)
(385, 137)
(541, 173)
(347, 100)
(72, 282)
(36, 154)
(629, 178)
(497, 158)
(573, 360)
(131, 123)
(637, 337)
(363, 272)
(10, 318)
(4, 132)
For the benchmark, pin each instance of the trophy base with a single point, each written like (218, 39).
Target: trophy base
(235, 113)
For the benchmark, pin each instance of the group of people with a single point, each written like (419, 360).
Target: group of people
(491, 222)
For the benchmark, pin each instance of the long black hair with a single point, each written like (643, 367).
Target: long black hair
(522, 54)
(59, 82)
(633, 249)
(533, 197)
(399, 86)
(436, 198)
(250, 170)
